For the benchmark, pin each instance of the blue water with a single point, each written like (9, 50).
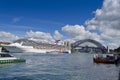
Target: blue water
(58, 67)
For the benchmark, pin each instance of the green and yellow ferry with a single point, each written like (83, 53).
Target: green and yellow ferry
(7, 58)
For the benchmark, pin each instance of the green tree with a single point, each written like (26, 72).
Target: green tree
(117, 50)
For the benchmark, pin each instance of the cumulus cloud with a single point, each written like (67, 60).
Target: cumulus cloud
(7, 37)
(57, 35)
(74, 30)
(40, 36)
(77, 32)
(107, 21)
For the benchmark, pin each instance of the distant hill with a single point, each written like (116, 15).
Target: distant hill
(4, 43)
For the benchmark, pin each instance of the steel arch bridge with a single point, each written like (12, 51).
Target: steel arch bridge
(99, 45)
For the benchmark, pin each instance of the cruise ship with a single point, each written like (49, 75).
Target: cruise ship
(18, 48)
(25, 45)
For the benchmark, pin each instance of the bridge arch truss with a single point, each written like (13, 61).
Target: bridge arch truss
(99, 45)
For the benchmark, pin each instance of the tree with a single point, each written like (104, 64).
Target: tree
(117, 50)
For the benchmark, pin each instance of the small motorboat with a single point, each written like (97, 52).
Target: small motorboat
(106, 59)
(7, 58)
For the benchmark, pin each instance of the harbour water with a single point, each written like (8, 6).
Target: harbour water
(58, 67)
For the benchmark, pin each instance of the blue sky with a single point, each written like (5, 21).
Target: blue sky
(19, 16)
(71, 20)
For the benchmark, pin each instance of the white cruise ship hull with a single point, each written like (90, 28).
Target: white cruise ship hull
(19, 49)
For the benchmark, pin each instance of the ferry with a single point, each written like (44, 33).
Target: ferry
(7, 58)
(106, 59)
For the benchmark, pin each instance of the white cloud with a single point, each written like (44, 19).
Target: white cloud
(7, 37)
(113, 45)
(57, 35)
(74, 30)
(77, 32)
(107, 21)
(40, 36)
